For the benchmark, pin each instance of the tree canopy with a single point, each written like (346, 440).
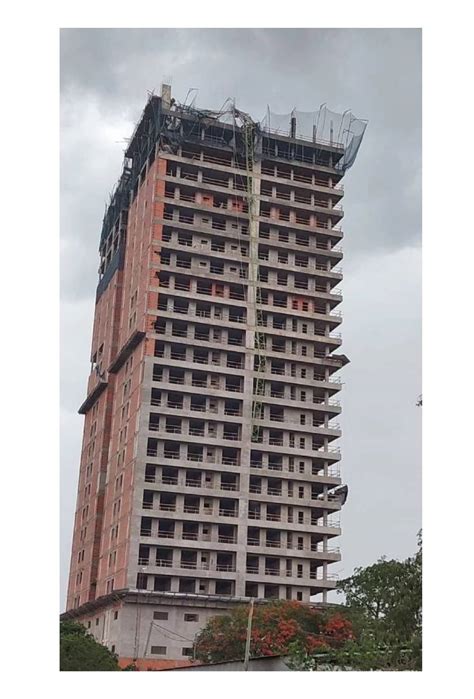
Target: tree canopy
(276, 627)
(384, 604)
(80, 651)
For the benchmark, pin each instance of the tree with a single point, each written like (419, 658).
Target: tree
(80, 651)
(388, 597)
(276, 627)
(384, 607)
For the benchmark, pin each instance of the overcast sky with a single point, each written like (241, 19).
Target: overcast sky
(105, 76)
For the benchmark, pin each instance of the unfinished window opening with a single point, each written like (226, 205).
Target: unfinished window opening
(158, 650)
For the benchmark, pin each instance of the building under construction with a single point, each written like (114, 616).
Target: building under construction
(210, 468)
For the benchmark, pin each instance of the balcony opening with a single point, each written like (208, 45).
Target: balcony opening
(271, 591)
(273, 512)
(277, 366)
(164, 279)
(275, 437)
(175, 400)
(279, 345)
(277, 414)
(164, 557)
(162, 584)
(254, 510)
(142, 581)
(152, 447)
(274, 486)
(199, 379)
(280, 300)
(256, 459)
(193, 478)
(187, 585)
(179, 329)
(253, 536)
(191, 504)
(251, 589)
(185, 239)
(190, 531)
(273, 539)
(178, 352)
(224, 587)
(150, 473)
(255, 485)
(232, 407)
(176, 376)
(231, 432)
(143, 555)
(169, 475)
(155, 397)
(196, 428)
(157, 373)
(277, 390)
(229, 481)
(189, 559)
(227, 534)
(180, 306)
(159, 349)
(235, 337)
(225, 562)
(233, 383)
(166, 528)
(168, 502)
(198, 404)
(173, 425)
(235, 361)
(171, 450)
(195, 452)
(252, 564)
(147, 502)
(230, 457)
(237, 292)
(228, 507)
(275, 462)
(145, 526)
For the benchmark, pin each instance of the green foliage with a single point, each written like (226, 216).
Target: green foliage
(276, 626)
(384, 607)
(80, 651)
(388, 597)
(361, 654)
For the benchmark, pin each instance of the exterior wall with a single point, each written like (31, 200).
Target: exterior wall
(95, 448)
(130, 628)
(120, 496)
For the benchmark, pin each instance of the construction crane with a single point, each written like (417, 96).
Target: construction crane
(248, 133)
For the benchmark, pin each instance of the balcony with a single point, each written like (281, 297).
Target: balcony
(225, 567)
(224, 512)
(167, 507)
(191, 509)
(222, 539)
(273, 517)
(164, 563)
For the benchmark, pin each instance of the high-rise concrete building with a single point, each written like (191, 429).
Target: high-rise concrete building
(210, 467)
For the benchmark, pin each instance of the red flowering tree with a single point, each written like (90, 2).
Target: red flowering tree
(275, 627)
